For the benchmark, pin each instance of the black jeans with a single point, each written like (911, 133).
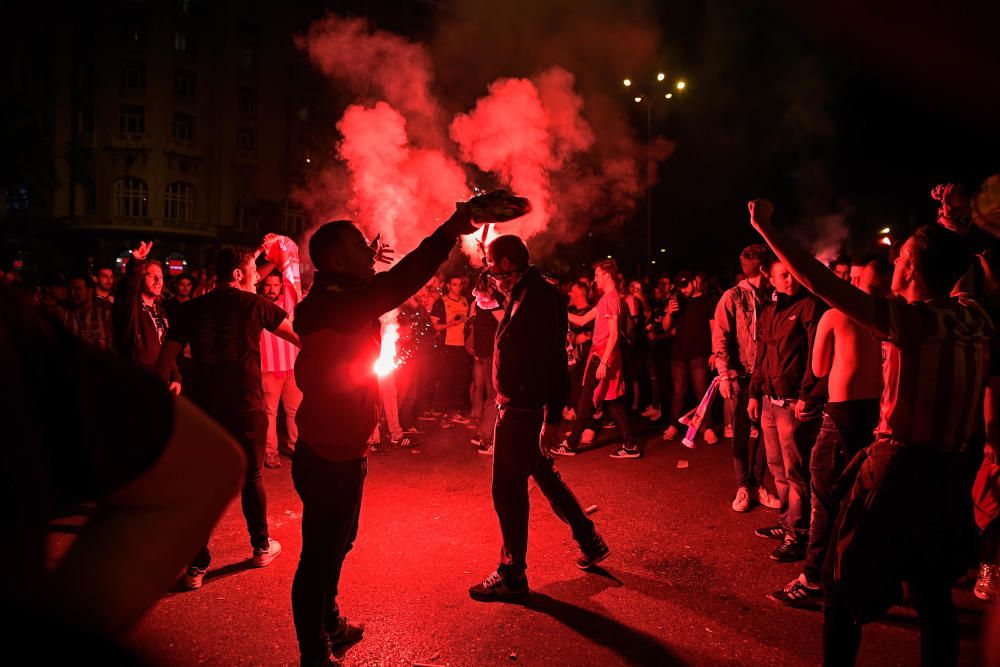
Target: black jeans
(847, 428)
(682, 370)
(250, 431)
(517, 457)
(331, 504)
(585, 409)
(749, 461)
(454, 377)
(939, 636)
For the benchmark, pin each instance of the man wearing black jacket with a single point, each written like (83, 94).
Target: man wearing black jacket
(529, 375)
(786, 397)
(337, 323)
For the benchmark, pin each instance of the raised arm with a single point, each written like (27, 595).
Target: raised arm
(813, 275)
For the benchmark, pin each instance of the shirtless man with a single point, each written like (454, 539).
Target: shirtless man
(851, 358)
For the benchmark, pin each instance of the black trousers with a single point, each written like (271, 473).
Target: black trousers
(585, 408)
(331, 504)
(847, 428)
(516, 457)
(749, 459)
(250, 431)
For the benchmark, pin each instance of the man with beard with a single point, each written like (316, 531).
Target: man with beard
(223, 328)
(104, 283)
(339, 328)
(139, 321)
(529, 375)
(277, 355)
(88, 318)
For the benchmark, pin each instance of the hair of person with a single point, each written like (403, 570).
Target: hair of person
(842, 260)
(513, 248)
(940, 256)
(326, 239)
(754, 257)
(881, 265)
(580, 285)
(274, 274)
(80, 275)
(103, 265)
(231, 258)
(184, 276)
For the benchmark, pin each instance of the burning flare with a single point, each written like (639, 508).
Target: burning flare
(387, 361)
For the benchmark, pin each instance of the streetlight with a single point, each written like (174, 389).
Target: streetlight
(680, 85)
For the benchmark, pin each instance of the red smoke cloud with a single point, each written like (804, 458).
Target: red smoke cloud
(404, 166)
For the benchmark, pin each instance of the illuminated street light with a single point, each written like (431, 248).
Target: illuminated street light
(885, 240)
(669, 96)
(638, 99)
(681, 85)
(884, 231)
(627, 82)
(661, 76)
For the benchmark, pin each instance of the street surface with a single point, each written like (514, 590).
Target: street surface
(685, 584)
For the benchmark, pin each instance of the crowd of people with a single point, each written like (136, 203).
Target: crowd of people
(858, 398)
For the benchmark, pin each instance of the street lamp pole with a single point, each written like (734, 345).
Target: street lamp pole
(641, 97)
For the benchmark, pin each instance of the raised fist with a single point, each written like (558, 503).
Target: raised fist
(761, 211)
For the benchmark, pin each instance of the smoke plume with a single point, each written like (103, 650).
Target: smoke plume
(403, 160)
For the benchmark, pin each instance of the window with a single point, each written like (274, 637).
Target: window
(135, 37)
(132, 120)
(134, 76)
(248, 101)
(294, 220)
(84, 120)
(184, 85)
(85, 202)
(178, 202)
(248, 59)
(244, 139)
(131, 198)
(182, 128)
(183, 42)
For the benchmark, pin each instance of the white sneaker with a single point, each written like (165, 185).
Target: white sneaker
(588, 436)
(263, 557)
(742, 501)
(709, 437)
(767, 500)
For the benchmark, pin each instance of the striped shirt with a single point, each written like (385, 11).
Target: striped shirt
(934, 364)
(277, 355)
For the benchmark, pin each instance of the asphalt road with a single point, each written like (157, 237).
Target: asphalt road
(685, 584)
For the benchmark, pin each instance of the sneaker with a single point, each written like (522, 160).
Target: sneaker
(459, 418)
(192, 578)
(789, 551)
(412, 430)
(343, 633)
(798, 593)
(765, 499)
(272, 460)
(498, 587)
(263, 557)
(435, 413)
(564, 449)
(476, 440)
(595, 554)
(671, 433)
(486, 449)
(771, 533)
(649, 411)
(653, 416)
(404, 442)
(609, 424)
(446, 423)
(599, 414)
(625, 452)
(709, 437)
(742, 501)
(588, 436)
(986, 582)
(426, 417)
(727, 433)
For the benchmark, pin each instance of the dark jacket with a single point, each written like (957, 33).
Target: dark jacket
(529, 359)
(135, 335)
(338, 325)
(784, 351)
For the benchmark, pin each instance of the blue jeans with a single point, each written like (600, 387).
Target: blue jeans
(788, 442)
